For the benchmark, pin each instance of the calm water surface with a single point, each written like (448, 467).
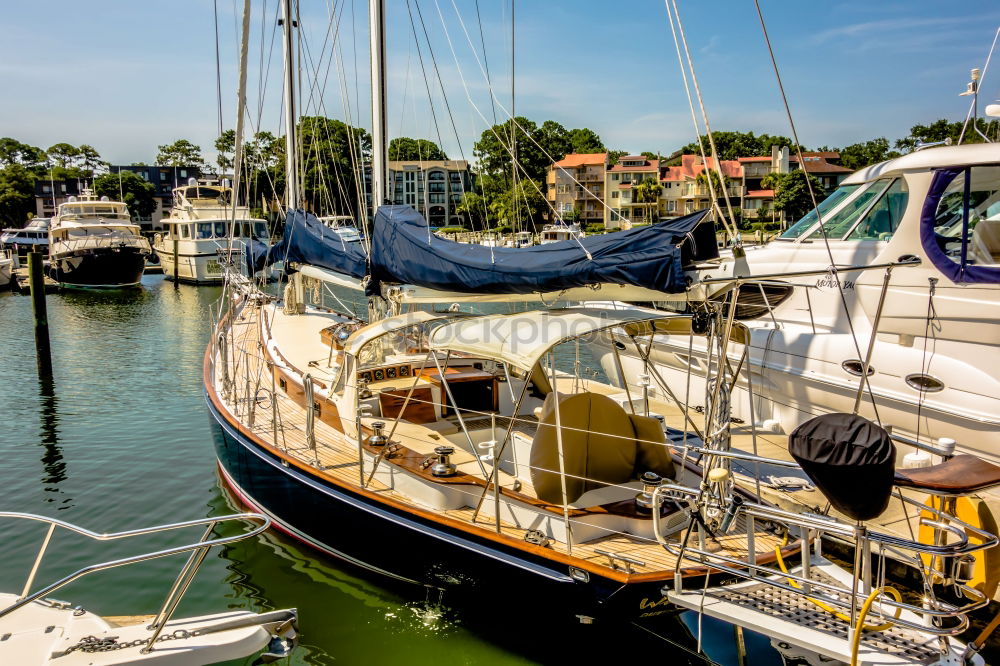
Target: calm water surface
(122, 439)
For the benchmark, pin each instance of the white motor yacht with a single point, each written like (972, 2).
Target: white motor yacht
(344, 226)
(6, 268)
(202, 239)
(93, 243)
(553, 233)
(520, 239)
(927, 333)
(33, 236)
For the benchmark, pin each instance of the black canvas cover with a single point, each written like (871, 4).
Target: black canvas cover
(850, 459)
(306, 240)
(405, 251)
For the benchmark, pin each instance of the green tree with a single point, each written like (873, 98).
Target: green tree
(493, 150)
(555, 140)
(225, 146)
(519, 205)
(584, 140)
(180, 153)
(731, 145)
(473, 209)
(859, 155)
(17, 194)
(791, 194)
(406, 149)
(13, 151)
(941, 129)
(332, 156)
(63, 155)
(647, 192)
(615, 155)
(650, 156)
(90, 160)
(126, 186)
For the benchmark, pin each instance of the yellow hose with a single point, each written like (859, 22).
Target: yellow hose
(893, 592)
(856, 641)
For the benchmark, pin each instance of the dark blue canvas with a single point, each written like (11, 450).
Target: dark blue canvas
(306, 240)
(403, 251)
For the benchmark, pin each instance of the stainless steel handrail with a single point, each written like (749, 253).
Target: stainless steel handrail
(752, 570)
(183, 580)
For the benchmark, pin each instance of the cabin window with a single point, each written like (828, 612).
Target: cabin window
(204, 230)
(837, 225)
(260, 229)
(220, 229)
(960, 223)
(883, 218)
(185, 230)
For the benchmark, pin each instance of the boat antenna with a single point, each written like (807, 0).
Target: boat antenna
(975, 76)
(291, 115)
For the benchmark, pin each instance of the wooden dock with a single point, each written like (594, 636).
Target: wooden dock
(20, 283)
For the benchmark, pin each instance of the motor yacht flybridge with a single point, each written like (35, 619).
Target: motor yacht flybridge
(93, 243)
(207, 235)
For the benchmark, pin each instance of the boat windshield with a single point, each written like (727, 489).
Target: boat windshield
(840, 223)
(401, 342)
(93, 210)
(825, 206)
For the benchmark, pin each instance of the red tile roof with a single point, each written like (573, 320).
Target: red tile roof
(692, 165)
(765, 158)
(650, 165)
(820, 165)
(759, 194)
(582, 159)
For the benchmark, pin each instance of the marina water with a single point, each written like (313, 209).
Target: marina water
(121, 439)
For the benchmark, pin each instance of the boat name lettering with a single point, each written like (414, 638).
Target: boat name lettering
(646, 603)
(830, 281)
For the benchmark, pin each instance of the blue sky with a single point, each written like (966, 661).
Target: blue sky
(126, 76)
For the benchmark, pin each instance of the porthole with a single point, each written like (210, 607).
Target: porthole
(924, 383)
(854, 366)
(619, 345)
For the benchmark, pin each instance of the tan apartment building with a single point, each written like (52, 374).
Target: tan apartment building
(756, 196)
(683, 192)
(620, 180)
(433, 188)
(575, 187)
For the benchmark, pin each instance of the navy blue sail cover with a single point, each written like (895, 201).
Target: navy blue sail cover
(306, 240)
(404, 251)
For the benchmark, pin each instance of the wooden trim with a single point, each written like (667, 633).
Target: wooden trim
(477, 533)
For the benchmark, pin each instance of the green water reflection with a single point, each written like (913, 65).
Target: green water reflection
(121, 438)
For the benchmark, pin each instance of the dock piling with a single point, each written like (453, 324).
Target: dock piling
(36, 282)
(176, 265)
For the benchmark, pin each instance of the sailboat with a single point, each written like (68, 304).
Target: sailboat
(474, 453)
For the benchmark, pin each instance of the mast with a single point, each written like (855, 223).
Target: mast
(291, 112)
(380, 149)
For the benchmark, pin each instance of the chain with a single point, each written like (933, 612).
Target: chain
(95, 644)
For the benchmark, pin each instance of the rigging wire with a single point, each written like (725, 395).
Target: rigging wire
(673, 15)
(815, 205)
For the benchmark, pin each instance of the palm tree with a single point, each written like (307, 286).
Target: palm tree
(647, 192)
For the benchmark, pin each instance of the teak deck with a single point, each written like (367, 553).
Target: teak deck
(334, 460)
